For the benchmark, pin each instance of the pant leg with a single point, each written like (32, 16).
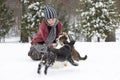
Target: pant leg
(34, 54)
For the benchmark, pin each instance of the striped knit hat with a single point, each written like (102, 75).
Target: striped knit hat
(49, 12)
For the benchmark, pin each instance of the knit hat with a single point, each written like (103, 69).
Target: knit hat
(49, 12)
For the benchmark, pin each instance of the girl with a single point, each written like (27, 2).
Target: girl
(49, 30)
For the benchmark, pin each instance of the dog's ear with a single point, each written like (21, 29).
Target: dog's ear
(63, 38)
(72, 42)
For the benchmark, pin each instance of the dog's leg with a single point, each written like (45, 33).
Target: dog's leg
(49, 62)
(72, 62)
(39, 67)
(46, 68)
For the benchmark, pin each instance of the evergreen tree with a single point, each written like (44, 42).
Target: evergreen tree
(98, 18)
(6, 19)
(31, 18)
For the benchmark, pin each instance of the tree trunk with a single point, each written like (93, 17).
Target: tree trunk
(24, 37)
(89, 39)
(98, 39)
(111, 37)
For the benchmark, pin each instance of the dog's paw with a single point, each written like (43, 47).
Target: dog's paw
(38, 72)
(65, 64)
(75, 64)
(45, 72)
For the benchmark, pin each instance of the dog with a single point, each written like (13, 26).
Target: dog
(66, 37)
(75, 54)
(62, 54)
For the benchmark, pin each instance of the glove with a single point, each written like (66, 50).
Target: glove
(53, 45)
(41, 48)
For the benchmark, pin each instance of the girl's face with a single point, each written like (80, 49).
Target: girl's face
(51, 21)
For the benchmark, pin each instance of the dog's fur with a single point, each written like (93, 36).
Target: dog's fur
(62, 54)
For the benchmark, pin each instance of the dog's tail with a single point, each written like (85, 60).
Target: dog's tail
(83, 58)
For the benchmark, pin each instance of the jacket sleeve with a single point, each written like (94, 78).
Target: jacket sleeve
(40, 37)
(36, 38)
(43, 33)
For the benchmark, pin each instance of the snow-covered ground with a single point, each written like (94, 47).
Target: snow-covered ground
(103, 63)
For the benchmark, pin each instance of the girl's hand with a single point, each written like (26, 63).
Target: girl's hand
(54, 45)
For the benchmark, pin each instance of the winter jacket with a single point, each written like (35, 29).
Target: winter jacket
(43, 32)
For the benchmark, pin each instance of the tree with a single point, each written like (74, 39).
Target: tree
(31, 18)
(117, 4)
(98, 18)
(6, 19)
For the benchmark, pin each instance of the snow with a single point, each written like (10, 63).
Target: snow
(99, 4)
(34, 6)
(11, 40)
(102, 63)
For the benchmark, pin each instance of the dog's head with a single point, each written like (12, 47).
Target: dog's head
(63, 37)
(69, 45)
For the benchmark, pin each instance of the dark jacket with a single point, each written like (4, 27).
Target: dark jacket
(43, 32)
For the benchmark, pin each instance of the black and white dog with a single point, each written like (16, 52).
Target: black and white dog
(62, 54)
